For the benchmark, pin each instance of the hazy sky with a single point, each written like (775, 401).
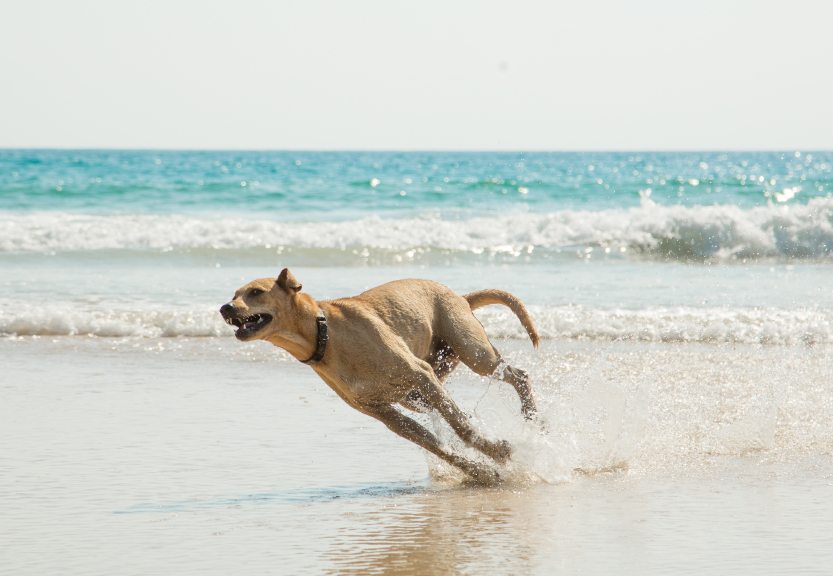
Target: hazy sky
(580, 75)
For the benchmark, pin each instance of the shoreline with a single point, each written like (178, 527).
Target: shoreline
(210, 456)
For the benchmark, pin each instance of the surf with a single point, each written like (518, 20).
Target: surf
(802, 232)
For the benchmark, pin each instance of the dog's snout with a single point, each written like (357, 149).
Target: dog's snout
(227, 310)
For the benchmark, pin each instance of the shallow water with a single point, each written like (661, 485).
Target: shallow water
(184, 455)
(684, 381)
(574, 299)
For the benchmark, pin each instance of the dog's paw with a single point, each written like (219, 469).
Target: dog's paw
(503, 452)
(484, 476)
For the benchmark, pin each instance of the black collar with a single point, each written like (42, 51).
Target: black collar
(322, 339)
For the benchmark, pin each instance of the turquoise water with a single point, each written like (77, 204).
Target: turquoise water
(337, 185)
(699, 247)
(685, 305)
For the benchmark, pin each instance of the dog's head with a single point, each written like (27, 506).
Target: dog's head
(264, 308)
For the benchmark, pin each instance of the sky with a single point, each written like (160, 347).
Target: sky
(389, 75)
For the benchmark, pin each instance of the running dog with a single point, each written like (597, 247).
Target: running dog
(393, 344)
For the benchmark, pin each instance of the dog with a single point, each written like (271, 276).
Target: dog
(393, 344)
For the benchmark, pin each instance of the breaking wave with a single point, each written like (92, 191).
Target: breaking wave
(68, 320)
(769, 326)
(791, 231)
(775, 326)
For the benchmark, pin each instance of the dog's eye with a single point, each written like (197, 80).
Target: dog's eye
(255, 292)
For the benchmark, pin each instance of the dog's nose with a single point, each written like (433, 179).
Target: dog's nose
(226, 310)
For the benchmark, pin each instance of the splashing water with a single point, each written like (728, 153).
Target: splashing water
(648, 409)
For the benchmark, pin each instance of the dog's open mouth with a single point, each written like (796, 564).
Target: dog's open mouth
(249, 325)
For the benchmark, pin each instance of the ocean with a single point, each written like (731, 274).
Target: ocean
(684, 299)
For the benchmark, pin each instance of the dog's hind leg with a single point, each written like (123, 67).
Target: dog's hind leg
(472, 347)
(519, 380)
(413, 431)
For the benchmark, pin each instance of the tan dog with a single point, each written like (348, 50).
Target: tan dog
(393, 344)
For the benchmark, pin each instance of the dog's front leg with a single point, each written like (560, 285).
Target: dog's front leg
(416, 402)
(413, 431)
(438, 398)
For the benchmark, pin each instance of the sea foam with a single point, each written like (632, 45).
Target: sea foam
(769, 326)
(792, 231)
(69, 320)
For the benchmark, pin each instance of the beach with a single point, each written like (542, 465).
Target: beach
(195, 456)
(685, 377)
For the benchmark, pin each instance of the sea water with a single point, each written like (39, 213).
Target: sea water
(685, 379)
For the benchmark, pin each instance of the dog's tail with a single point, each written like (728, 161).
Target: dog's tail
(485, 297)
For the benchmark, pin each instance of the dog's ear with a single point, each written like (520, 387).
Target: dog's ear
(288, 282)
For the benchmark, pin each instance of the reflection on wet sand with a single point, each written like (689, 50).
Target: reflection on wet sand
(440, 532)
(607, 524)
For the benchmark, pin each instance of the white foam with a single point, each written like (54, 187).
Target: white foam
(69, 320)
(792, 230)
(665, 324)
(770, 326)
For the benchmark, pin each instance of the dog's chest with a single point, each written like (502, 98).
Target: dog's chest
(357, 391)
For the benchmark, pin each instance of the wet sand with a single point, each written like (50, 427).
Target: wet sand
(137, 456)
